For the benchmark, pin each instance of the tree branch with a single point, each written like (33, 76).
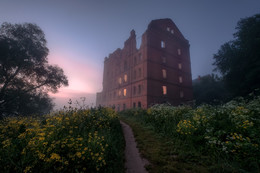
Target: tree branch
(8, 80)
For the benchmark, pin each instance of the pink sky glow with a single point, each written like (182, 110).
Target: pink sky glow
(62, 97)
(84, 79)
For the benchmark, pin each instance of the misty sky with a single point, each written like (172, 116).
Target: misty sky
(80, 33)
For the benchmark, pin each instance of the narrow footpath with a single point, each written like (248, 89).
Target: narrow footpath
(134, 163)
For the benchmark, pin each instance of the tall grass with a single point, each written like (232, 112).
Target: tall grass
(226, 136)
(67, 141)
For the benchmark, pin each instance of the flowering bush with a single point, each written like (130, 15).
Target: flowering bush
(165, 118)
(67, 141)
(185, 127)
(226, 132)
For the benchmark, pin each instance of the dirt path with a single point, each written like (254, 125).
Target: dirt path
(134, 162)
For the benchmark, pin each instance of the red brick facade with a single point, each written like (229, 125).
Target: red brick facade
(158, 72)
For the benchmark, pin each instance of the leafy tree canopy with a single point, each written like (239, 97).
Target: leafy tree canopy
(209, 89)
(25, 75)
(239, 60)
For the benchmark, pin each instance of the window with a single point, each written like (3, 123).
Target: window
(125, 92)
(135, 60)
(120, 80)
(125, 65)
(139, 72)
(139, 104)
(134, 90)
(164, 88)
(135, 74)
(181, 94)
(180, 66)
(124, 106)
(168, 28)
(180, 79)
(118, 107)
(179, 51)
(134, 105)
(172, 31)
(119, 93)
(162, 44)
(164, 73)
(114, 94)
(164, 60)
(139, 89)
(125, 77)
(140, 57)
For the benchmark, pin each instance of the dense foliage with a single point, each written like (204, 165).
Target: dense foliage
(209, 89)
(227, 134)
(25, 75)
(67, 141)
(239, 60)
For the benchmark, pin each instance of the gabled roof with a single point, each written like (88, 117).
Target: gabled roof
(163, 24)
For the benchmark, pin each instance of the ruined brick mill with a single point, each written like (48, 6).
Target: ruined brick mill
(158, 72)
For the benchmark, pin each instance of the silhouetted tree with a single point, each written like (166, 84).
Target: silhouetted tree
(239, 60)
(25, 75)
(209, 89)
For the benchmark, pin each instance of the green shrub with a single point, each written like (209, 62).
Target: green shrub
(228, 134)
(67, 141)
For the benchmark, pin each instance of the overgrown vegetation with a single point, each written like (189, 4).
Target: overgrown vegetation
(26, 77)
(238, 62)
(209, 89)
(211, 138)
(67, 141)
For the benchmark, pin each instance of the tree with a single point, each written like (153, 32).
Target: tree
(25, 75)
(209, 89)
(239, 60)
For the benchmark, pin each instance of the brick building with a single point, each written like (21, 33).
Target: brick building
(158, 72)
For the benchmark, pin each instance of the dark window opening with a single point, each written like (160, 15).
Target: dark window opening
(164, 60)
(139, 89)
(139, 72)
(139, 104)
(140, 57)
(125, 65)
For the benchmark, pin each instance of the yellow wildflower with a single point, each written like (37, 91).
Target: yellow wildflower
(55, 156)
(27, 169)
(41, 138)
(78, 154)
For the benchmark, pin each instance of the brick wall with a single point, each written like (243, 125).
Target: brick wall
(158, 72)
